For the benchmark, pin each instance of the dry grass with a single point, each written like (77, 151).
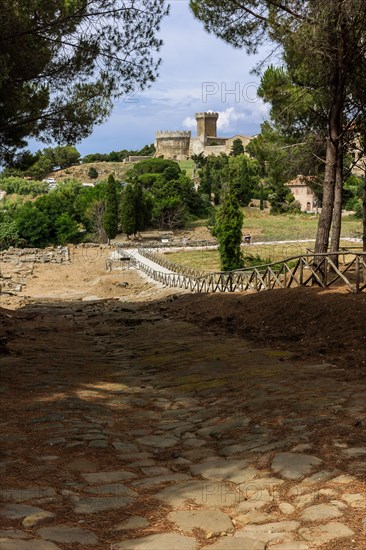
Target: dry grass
(209, 260)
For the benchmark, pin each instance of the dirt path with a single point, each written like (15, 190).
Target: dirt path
(125, 429)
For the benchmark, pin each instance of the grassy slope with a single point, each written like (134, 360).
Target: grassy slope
(80, 172)
(263, 226)
(188, 166)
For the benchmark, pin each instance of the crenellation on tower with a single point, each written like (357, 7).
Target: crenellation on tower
(180, 144)
(206, 125)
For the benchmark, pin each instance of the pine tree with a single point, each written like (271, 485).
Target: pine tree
(111, 209)
(229, 232)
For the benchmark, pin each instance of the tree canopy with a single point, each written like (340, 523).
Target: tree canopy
(323, 47)
(64, 62)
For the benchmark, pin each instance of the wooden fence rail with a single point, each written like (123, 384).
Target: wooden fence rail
(306, 270)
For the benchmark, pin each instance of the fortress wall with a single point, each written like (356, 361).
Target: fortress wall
(196, 147)
(172, 144)
(229, 142)
(215, 150)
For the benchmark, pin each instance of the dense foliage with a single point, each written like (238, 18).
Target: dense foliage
(64, 62)
(228, 230)
(240, 171)
(119, 156)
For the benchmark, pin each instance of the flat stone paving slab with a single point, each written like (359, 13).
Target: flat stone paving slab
(320, 512)
(166, 541)
(212, 494)
(134, 522)
(268, 531)
(68, 535)
(160, 441)
(321, 534)
(294, 465)
(29, 493)
(214, 521)
(108, 477)
(293, 545)
(85, 505)
(18, 511)
(118, 490)
(220, 469)
(229, 543)
(34, 544)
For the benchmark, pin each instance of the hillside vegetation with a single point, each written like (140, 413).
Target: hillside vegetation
(80, 172)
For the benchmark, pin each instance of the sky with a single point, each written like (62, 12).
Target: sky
(199, 72)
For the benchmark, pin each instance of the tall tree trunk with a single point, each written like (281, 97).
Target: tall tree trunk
(337, 208)
(364, 214)
(337, 93)
(325, 218)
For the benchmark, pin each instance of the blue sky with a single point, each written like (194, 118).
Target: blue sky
(197, 73)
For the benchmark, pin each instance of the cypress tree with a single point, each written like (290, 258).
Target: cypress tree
(128, 211)
(110, 221)
(228, 231)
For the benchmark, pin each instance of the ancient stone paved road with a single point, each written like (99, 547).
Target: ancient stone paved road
(125, 430)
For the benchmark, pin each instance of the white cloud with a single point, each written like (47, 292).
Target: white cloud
(228, 118)
(190, 123)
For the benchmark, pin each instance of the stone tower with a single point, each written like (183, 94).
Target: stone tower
(206, 125)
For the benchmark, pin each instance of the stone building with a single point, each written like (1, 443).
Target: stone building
(304, 194)
(181, 145)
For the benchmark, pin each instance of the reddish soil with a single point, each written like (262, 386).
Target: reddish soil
(307, 321)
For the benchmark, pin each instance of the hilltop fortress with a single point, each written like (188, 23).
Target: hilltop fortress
(180, 145)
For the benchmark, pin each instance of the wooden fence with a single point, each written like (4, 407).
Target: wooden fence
(306, 270)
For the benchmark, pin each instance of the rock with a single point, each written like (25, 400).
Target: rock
(254, 516)
(98, 444)
(320, 512)
(31, 493)
(310, 498)
(286, 508)
(293, 545)
(135, 522)
(118, 490)
(344, 479)
(149, 481)
(160, 441)
(230, 543)
(355, 500)
(34, 544)
(56, 441)
(211, 494)
(322, 534)
(212, 521)
(108, 477)
(125, 447)
(354, 451)
(35, 519)
(82, 465)
(194, 442)
(268, 531)
(294, 465)
(85, 505)
(13, 534)
(324, 475)
(301, 448)
(18, 511)
(67, 534)
(166, 541)
(156, 471)
(254, 500)
(221, 469)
